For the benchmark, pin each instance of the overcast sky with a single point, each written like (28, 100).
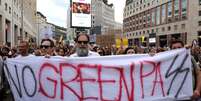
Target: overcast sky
(56, 10)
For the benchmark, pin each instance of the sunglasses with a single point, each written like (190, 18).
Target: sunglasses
(84, 42)
(44, 46)
(176, 47)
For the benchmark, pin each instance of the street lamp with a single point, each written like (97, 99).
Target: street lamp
(22, 19)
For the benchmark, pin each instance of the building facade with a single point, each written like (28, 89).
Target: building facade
(17, 21)
(48, 30)
(41, 25)
(102, 21)
(102, 16)
(59, 33)
(164, 20)
(109, 38)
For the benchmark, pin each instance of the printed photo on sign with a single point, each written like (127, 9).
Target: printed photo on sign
(81, 8)
(80, 13)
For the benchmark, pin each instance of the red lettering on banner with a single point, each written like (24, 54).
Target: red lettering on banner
(157, 66)
(41, 89)
(142, 76)
(156, 69)
(130, 96)
(123, 83)
(64, 83)
(81, 80)
(101, 82)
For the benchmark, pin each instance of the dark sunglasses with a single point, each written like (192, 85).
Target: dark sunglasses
(44, 46)
(176, 47)
(84, 42)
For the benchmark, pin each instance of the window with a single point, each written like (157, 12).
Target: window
(199, 23)
(170, 9)
(200, 2)
(144, 18)
(152, 30)
(169, 28)
(6, 6)
(183, 26)
(175, 27)
(9, 10)
(153, 15)
(158, 16)
(163, 29)
(147, 31)
(26, 34)
(176, 7)
(200, 13)
(184, 8)
(157, 30)
(148, 17)
(163, 13)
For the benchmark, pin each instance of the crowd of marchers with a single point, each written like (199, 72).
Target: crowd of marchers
(82, 48)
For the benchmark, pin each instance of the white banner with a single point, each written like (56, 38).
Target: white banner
(166, 76)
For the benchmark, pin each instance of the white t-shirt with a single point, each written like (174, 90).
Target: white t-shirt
(20, 56)
(90, 54)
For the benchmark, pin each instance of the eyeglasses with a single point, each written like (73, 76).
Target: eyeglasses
(84, 42)
(44, 46)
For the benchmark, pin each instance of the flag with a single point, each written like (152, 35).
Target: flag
(142, 39)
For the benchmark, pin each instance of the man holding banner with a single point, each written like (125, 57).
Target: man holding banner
(82, 47)
(196, 70)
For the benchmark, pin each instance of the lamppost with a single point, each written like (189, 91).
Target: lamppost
(22, 19)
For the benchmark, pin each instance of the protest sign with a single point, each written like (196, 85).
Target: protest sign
(165, 76)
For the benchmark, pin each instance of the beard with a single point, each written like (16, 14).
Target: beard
(82, 52)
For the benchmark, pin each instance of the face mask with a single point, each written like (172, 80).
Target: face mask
(82, 52)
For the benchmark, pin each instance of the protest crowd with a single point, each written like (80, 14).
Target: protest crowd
(82, 48)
